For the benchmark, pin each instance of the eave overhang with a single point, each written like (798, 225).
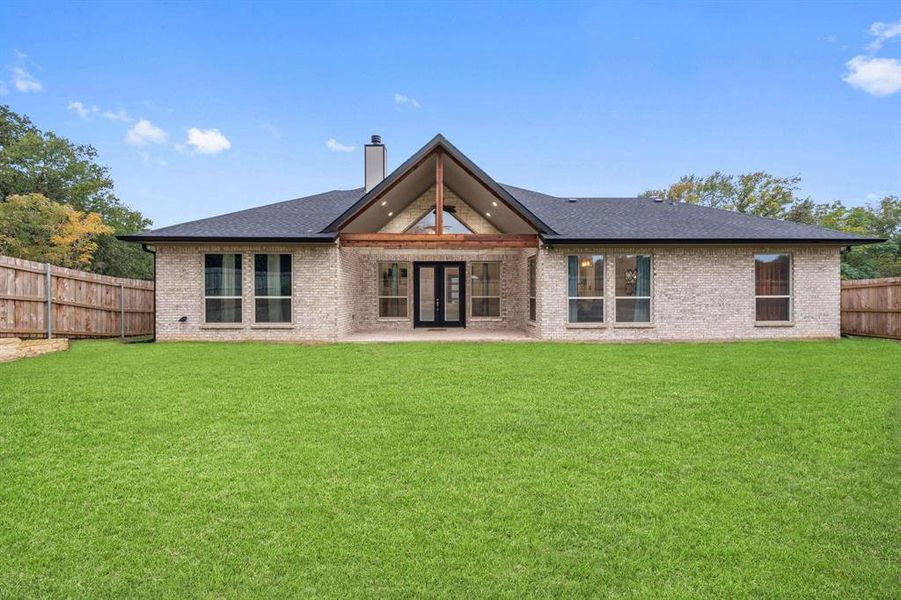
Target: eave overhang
(328, 238)
(561, 240)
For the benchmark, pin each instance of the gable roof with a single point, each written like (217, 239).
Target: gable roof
(318, 218)
(439, 142)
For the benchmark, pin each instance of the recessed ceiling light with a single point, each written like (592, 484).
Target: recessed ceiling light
(487, 214)
(384, 202)
(493, 203)
(390, 214)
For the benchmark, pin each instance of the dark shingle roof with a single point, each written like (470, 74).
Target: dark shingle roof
(301, 219)
(558, 220)
(644, 219)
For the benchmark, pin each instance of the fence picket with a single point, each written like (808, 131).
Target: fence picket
(872, 307)
(42, 300)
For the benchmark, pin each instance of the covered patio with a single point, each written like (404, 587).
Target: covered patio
(456, 334)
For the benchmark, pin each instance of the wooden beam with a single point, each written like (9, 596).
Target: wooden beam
(457, 241)
(439, 192)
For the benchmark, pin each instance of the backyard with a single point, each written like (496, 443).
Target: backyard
(532, 469)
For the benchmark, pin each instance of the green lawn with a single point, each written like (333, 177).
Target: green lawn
(241, 470)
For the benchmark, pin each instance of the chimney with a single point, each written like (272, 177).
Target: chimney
(374, 159)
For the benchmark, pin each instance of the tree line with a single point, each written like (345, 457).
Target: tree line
(760, 193)
(58, 205)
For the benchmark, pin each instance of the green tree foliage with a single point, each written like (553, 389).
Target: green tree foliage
(756, 193)
(762, 194)
(35, 228)
(37, 162)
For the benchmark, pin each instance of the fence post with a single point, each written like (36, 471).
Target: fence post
(121, 309)
(48, 285)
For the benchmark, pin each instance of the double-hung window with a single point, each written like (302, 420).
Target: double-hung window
(533, 309)
(585, 288)
(393, 285)
(772, 287)
(633, 288)
(272, 288)
(222, 288)
(486, 289)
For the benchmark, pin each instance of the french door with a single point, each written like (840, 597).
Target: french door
(439, 294)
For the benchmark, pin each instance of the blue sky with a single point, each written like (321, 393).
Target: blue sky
(200, 109)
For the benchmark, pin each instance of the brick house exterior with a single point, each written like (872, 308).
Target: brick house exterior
(580, 269)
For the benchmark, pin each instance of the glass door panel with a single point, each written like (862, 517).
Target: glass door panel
(427, 294)
(440, 292)
(451, 293)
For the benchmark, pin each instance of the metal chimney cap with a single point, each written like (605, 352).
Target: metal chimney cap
(376, 139)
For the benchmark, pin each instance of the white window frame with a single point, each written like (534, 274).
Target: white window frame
(532, 274)
(378, 287)
(205, 297)
(473, 296)
(649, 297)
(791, 288)
(602, 298)
(289, 297)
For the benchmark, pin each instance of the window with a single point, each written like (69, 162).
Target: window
(450, 223)
(532, 286)
(486, 289)
(586, 288)
(772, 287)
(393, 281)
(222, 288)
(633, 288)
(272, 288)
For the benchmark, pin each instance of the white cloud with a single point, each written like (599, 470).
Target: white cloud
(336, 146)
(24, 81)
(883, 32)
(20, 55)
(119, 115)
(3, 89)
(207, 141)
(402, 100)
(79, 109)
(144, 132)
(876, 76)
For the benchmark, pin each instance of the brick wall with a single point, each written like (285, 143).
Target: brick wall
(698, 293)
(365, 261)
(315, 302)
(351, 302)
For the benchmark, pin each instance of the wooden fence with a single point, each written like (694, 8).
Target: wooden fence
(79, 304)
(872, 307)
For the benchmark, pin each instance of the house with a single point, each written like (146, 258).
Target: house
(439, 244)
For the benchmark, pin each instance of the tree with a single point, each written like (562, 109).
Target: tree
(757, 193)
(760, 193)
(882, 220)
(37, 162)
(35, 228)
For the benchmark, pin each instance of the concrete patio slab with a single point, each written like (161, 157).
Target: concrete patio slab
(451, 334)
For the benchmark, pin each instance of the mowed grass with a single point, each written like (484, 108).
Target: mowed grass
(242, 470)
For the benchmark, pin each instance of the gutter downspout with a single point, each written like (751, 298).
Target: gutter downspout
(146, 248)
